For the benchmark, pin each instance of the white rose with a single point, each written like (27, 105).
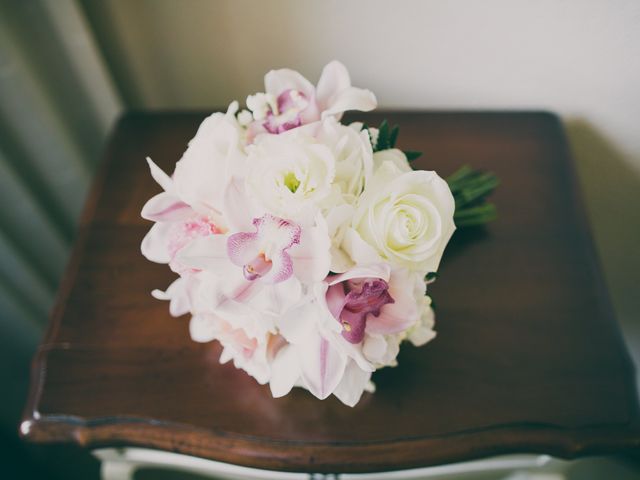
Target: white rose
(393, 155)
(354, 158)
(404, 217)
(289, 175)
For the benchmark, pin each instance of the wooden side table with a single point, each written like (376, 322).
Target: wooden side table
(528, 358)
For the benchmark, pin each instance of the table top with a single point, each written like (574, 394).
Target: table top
(528, 356)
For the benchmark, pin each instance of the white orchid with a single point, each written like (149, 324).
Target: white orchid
(290, 100)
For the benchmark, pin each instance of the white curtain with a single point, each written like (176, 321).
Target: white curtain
(57, 103)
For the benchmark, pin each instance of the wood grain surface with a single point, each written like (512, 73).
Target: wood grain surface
(528, 357)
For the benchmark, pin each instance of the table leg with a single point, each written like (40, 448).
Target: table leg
(117, 470)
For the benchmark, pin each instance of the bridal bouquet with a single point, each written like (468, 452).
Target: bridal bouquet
(304, 245)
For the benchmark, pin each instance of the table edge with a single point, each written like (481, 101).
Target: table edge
(324, 457)
(331, 457)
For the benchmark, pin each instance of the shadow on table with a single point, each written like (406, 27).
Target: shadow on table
(611, 189)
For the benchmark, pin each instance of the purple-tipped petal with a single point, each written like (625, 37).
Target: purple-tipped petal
(361, 298)
(242, 248)
(291, 99)
(290, 103)
(280, 233)
(281, 269)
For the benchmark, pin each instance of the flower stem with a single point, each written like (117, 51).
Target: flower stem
(470, 189)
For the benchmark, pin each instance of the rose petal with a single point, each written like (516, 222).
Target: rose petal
(360, 251)
(393, 155)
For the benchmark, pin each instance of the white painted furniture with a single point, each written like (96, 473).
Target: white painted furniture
(122, 463)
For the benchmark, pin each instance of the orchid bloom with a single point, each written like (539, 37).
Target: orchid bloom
(290, 100)
(263, 254)
(352, 301)
(177, 223)
(277, 253)
(189, 207)
(316, 356)
(371, 299)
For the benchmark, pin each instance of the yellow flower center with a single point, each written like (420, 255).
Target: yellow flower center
(291, 182)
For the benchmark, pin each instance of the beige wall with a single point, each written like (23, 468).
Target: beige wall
(575, 57)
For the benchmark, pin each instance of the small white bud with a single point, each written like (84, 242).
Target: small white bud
(260, 104)
(245, 118)
(373, 136)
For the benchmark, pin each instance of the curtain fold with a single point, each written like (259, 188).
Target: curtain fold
(57, 103)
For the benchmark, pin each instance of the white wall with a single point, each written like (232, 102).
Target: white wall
(579, 58)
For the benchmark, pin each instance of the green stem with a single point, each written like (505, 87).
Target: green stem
(470, 189)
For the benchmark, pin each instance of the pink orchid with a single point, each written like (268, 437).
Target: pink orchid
(263, 254)
(372, 299)
(324, 355)
(278, 252)
(290, 100)
(352, 301)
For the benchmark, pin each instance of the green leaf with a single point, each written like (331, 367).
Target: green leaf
(473, 216)
(470, 189)
(383, 137)
(431, 276)
(412, 155)
(393, 136)
(459, 176)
